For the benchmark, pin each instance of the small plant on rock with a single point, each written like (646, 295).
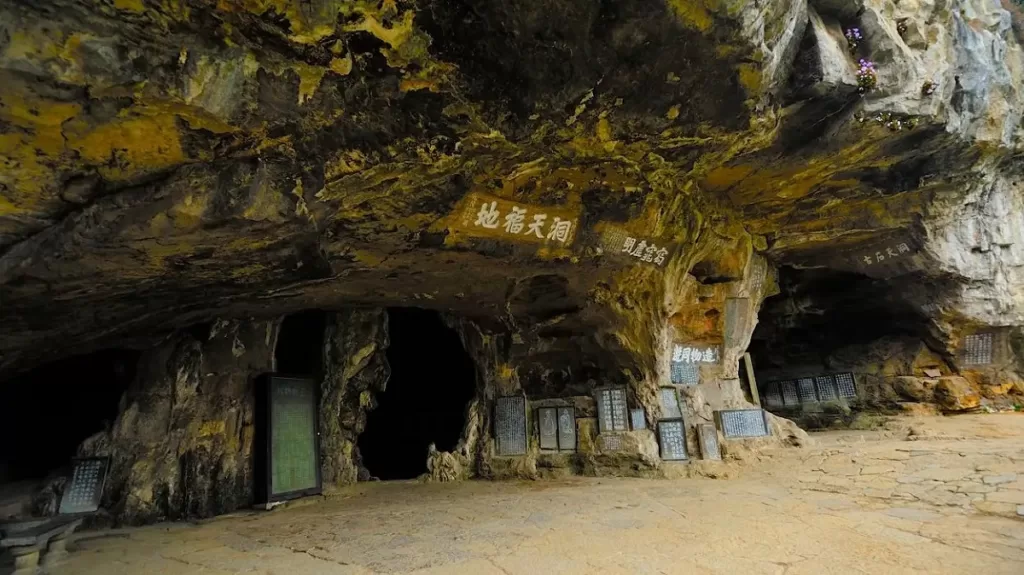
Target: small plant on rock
(867, 76)
(928, 88)
(853, 38)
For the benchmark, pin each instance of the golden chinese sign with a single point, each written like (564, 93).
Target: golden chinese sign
(483, 215)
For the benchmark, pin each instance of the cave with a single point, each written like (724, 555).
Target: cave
(300, 344)
(48, 411)
(432, 380)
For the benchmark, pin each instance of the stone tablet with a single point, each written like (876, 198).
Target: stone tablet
(670, 404)
(846, 386)
(685, 373)
(773, 394)
(567, 429)
(294, 461)
(612, 412)
(639, 418)
(672, 439)
(510, 425)
(547, 419)
(789, 395)
(85, 488)
(826, 385)
(740, 423)
(709, 441)
(977, 349)
(805, 387)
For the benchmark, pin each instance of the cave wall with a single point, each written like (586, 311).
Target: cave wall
(355, 371)
(181, 445)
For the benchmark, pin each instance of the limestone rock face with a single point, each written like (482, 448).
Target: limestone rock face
(955, 394)
(581, 188)
(182, 445)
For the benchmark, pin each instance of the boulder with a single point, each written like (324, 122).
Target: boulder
(954, 393)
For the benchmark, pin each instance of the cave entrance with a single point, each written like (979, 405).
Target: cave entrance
(47, 412)
(432, 380)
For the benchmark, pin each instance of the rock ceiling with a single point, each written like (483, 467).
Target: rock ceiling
(164, 162)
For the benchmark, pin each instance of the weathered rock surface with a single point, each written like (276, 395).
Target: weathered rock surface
(164, 164)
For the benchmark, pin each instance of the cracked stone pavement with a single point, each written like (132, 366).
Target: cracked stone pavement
(923, 495)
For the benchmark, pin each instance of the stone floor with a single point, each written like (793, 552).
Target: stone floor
(937, 495)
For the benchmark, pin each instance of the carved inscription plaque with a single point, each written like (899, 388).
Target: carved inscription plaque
(510, 425)
(612, 412)
(739, 423)
(638, 418)
(85, 489)
(977, 349)
(846, 386)
(709, 441)
(789, 395)
(670, 404)
(805, 386)
(826, 385)
(772, 394)
(672, 439)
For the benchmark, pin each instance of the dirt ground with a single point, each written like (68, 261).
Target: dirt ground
(934, 495)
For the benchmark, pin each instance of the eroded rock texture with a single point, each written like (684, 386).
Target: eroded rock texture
(168, 162)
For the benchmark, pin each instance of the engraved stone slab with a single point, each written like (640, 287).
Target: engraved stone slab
(738, 423)
(805, 387)
(672, 439)
(977, 349)
(85, 489)
(610, 442)
(638, 418)
(685, 373)
(547, 420)
(612, 412)
(789, 394)
(510, 425)
(826, 385)
(758, 271)
(692, 353)
(773, 394)
(846, 385)
(567, 429)
(709, 441)
(670, 404)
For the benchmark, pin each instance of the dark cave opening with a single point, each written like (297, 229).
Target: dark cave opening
(821, 311)
(300, 344)
(47, 412)
(432, 380)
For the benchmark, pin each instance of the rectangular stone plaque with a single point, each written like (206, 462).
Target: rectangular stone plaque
(85, 488)
(670, 404)
(672, 439)
(978, 349)
(789, 394)
(772, 394)
(510, 425)
(738, 423)
(294, 456)
(612, 411)
(805, 386)
(709, 441)
(846, 386)
(826, 385)
(685, 373)
(758, 271)
(567, 429)
(638, 418)
(547, 420)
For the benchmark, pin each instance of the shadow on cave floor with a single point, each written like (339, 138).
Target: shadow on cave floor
(432, 380)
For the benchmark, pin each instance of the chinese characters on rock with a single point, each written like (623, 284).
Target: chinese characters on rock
(888, 253)
(516, 222)
(644, 251)
(692, 354)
